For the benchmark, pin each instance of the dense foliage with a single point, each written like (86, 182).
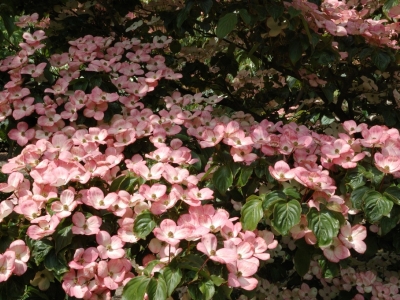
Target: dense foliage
(205, 149)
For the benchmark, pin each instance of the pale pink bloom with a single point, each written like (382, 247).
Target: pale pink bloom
(281, 171)
(336, 251)
(7, 265)
(46, 225)
(95, 198)
(352, 237)
(351, 126)
(170, 233)
(211, 137)
(153, 193)
(112, 272)
(75, 285)
(387, 164)
(66, 205)
(301, 230)
(85, 227)
(365, 281)
(84, 258)
(374, 137)
(203, 194)
(208, 246)
(109, 246)
(335, 149)
(29, 208)
(33, 38)
(22, 134)
(22, 255)
(13, 182)
(216, 222)
(239, 275)
(23, 108)
(125, 232)
(6, 208)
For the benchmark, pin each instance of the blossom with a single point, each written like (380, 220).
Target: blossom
(85, 226)
(170, 233)
(336, 251)
(352, 237)
(42, 279)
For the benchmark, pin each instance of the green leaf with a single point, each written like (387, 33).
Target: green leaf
(324, 225)
(217, 280)
(190, 262)
(270, 199)
(381, 60)
(157, 288)
(207, 289)
(244, 176)
(226, 24)
(252, 213)
(388, 223)
(328, 268)
(302, 260)
(244, 14)
(53, 263)
(135, 288)
(286, 215)
(40, 248)
(126, 182)
(325, 120)
(292, 193)
(206, 5)
(357, 196)
(194, 292)
(356, 179)
(393, 194)
(144, 224)
(8, 22)
(63, 238)
(295, 50)
(184, 13)
(223, 179)
(275, 10)
(150, 266)
(388, 5)
(376, 206)
(172, 278)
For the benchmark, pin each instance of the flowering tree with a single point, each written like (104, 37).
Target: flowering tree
(123, 174)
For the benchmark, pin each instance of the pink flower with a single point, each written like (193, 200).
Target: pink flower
(84, 258)
(352, 237)
(208, 246)
(7, 265)
(281, 171)
(239, 275)
(336, 251)
(112, 272)
(22, 255)
(109, 247)
(387, 164)
(85, 227)
(170, 233)
(66, 205)
(22, 134)
(46, 226)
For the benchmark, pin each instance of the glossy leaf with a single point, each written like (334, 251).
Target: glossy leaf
(226, 24)
(144, 224)
(157, 288)
(252, 213)
(222, 179)
(286, 215)
(135, 288)
(376, 206)
(324, 225)
(172, 278)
